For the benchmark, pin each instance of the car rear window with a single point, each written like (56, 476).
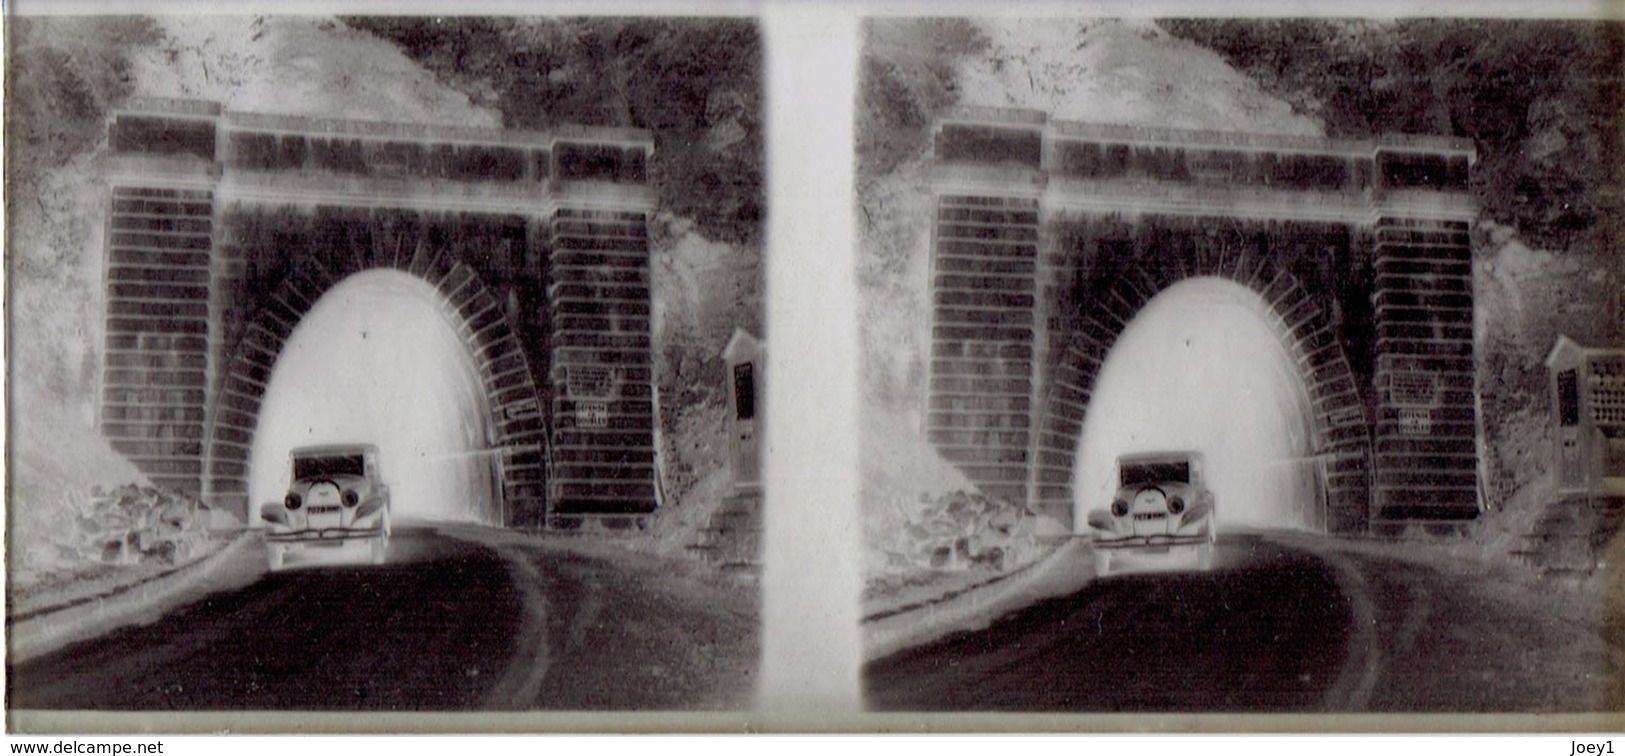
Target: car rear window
(321, 467)
(1142, 473)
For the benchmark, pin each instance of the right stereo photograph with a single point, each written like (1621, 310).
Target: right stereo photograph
(1242, 365)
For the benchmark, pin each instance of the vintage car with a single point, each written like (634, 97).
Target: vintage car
(1162, 507)
(336, 498)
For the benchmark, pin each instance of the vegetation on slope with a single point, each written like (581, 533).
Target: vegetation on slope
(696, 84)
(61, 80)
(60, 83)
(906, 78)
(1541, 100)
(59, 86)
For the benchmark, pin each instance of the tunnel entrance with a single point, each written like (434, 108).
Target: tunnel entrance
(376, 360)
(1201, 368)
(1048, 238)
(225, 228)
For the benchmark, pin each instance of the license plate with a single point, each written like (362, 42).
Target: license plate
(324, 509)
(1150, 516)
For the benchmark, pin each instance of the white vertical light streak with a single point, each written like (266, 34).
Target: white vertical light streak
(811, 648)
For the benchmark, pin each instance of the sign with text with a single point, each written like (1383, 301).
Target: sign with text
(592, 414)
(1415, 422)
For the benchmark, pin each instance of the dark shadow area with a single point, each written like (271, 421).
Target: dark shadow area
(430, 632)
(1268, 636)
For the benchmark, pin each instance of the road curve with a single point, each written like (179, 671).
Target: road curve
(431, 630)
(461, 618)
(1265, 631)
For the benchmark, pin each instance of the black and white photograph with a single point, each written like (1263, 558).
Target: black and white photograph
(1132, 370)
(1224, 365)
(383, 364)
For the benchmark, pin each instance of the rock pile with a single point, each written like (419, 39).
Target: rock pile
(132, 524)
(967, 531)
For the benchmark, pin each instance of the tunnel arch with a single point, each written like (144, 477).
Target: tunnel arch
(1047, 236)
(1339, 428)
(378, 360)
(224, 226)
(478, 317)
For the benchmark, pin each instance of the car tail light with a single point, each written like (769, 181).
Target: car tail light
(351, 498)
(1119, 508)
(1175, 505)
(292, 501)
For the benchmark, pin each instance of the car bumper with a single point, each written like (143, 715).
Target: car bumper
(1158, 540)
(324, 535)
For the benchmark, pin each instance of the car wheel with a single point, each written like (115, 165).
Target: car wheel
(276, 553)
(380, 549)
(1103, 563)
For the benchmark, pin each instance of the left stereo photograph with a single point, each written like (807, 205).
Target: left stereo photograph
(383, 364)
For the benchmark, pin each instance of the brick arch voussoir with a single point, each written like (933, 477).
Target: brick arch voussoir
(1339, 431)
(1126, 299)
(389, 248)
(1205, 259)
(1342, 438)
(1238, 265)
(324, 274)
(1342, 428)
(1143, 283)
(1194, 261)
(1074, 381)
(509, 384)
(422, 259)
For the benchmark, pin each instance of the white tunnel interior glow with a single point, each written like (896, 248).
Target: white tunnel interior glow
(1204, 367)
(377, 360)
